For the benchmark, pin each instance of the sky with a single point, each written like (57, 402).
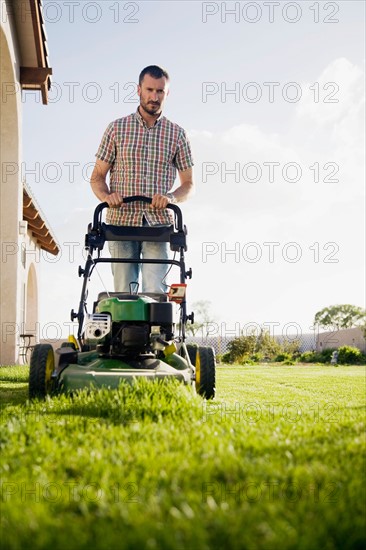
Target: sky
(272, 97)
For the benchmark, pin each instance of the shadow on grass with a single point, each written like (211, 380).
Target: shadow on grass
(16, 373)
(14, 395)
(14, 384)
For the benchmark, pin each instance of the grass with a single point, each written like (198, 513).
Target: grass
(275, 462)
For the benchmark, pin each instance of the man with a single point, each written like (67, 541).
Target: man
(143, 152)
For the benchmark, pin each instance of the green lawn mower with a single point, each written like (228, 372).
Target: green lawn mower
(128, 335)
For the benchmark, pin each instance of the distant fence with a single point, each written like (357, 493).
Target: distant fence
(220, 343)
(308, 342)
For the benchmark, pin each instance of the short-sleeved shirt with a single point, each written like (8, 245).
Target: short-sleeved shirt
(144, 161)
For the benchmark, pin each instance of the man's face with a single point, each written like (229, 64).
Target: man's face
(152, 93)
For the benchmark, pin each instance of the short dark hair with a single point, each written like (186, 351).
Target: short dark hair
(154, 71)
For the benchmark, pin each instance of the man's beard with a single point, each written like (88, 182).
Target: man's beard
(153, 110)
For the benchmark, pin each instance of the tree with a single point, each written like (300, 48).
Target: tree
(241, 347)
(340, 316)
(267, 345)
(202, 318)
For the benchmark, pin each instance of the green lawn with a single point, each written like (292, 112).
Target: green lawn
(275, 462)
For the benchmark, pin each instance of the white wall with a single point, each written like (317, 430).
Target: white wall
(14, 276)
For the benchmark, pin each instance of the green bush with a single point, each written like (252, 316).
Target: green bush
(326, 355)
(309, 357)
(241, 347)
(246, 360)
(283, 356)
(257, 357)
(349, 355)
(267, 345)
(226, 358)
(346, 355)
(291, 347)
(323, 356)
(289, 362)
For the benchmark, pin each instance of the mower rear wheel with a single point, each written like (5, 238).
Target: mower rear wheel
(192, 352)
(206, 372)
(42, 365)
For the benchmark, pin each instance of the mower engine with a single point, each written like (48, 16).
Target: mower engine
(129, 325)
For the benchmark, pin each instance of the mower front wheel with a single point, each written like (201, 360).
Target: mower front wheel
(42, 365)
(205, 371)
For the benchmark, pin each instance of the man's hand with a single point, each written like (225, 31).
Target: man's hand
(160, 201)
(180, 194)
(99, 186)
(114, 200)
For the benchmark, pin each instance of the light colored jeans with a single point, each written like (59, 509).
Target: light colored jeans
(152, 274)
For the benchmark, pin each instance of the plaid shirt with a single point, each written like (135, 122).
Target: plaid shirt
(144, 161)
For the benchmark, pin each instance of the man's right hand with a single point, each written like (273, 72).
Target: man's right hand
(99, 186)
(114, 200)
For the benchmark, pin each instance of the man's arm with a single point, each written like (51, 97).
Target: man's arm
(182, 193)
(100, 187)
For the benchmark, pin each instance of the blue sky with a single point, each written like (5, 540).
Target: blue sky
(296, 232)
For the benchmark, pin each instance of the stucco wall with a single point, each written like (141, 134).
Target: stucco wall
(18, 268)
(10, 195)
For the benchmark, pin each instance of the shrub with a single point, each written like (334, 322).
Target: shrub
(291, 347)
(246, 360)
(323, 356)
(283, 356)
(346, 355)
(226, 358)
(349, 355)
(289, 362)
(326, 355)
(257, 357)
(267, 345)
(239, 348)
(308, 357)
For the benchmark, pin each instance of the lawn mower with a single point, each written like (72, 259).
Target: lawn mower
(127, 335)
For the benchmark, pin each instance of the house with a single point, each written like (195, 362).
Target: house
(24, 231)
(354, 337)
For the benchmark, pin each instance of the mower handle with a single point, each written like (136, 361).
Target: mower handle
(100, 207)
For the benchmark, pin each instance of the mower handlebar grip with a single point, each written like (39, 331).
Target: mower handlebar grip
(98, 210)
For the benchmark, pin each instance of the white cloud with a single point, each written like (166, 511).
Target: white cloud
(338, 90)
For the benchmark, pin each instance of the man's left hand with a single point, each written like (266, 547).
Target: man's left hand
(160, 201)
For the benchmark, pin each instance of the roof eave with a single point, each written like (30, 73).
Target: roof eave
(37, 223)
(35, 72)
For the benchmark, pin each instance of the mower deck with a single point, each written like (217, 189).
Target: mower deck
(107, 372)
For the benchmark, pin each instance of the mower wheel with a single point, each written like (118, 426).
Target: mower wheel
(42, 365)
(192, 352)
(206, 372)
